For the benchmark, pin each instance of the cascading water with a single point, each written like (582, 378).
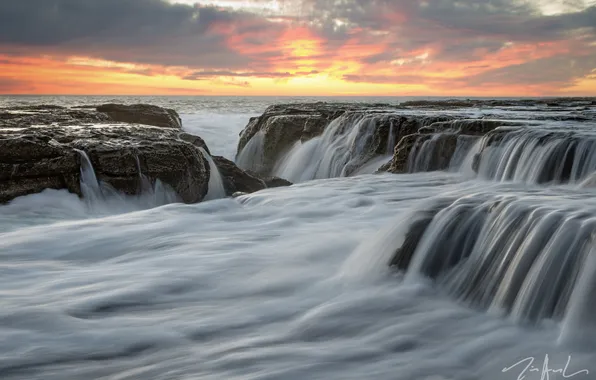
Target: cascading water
(98, 194)
(251, 157)
(340, 151)
(144, 181)
(508, 254)
(391, 140)
(536, 156)
(90, 186)
(216, 186)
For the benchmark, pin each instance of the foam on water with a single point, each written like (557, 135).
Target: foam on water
(262, 286)
(294, 283)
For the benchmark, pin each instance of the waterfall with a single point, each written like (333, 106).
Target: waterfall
(216, 185)
(464, 145)
(97, 194)
(535, 156)
(346, 145)
(144, 181)
(251, 157)
(438, 151)
(507, 254)
(391, 140)
(90, 186)
(579, 326)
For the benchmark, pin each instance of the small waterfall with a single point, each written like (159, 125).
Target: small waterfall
(251, 157)
(464, 145)
(434, 152)
(391, 140)
(535, 156)
(345, 146)
(98, 194)
(510, 255)
(216, 185)
(144, 181)
(90, 186)
(579, 326)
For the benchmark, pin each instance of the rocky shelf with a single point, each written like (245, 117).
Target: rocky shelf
(42, 147)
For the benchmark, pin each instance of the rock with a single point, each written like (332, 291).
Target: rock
(35, 158)
(403, 255)
(142, 114)
(285, 124)
(194, 140)
(235, 179)
(272, 182)
(410, 135)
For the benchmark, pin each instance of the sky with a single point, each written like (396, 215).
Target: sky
(299, 47)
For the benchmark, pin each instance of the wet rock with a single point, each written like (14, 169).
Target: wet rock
(37, 151)
(194, 140)
(284, 125)
(142, 114)
(271, 182)
(404, 254)
(235, 179)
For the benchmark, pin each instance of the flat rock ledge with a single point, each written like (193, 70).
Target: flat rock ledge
(41, 145)
(39, 149)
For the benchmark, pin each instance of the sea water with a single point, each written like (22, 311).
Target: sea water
(287, 283)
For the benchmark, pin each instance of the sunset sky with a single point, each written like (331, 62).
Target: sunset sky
(299, 47)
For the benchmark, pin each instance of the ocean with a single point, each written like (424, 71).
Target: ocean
(294, 283)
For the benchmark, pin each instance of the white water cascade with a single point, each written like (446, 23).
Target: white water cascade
(251, 157)
(90, 185)
(216, 185)
(536, 156)
(579, 326)
(340, 151)
(511, 255)
(97, 193)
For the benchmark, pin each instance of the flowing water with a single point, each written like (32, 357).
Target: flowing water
(494, 268)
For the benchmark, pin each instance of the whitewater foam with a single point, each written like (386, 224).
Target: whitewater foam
(294, 282)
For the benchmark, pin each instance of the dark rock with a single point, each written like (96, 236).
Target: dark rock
(271, 182)
(403, 255)
(142, 114)
(194, 140)
(35, 158)
(235, 179)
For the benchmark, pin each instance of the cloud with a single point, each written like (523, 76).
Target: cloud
(10, 85)
(145, 31)
(435, 43)
(201, 75)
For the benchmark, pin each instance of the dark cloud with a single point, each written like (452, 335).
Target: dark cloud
(146, 31)
(10, 85)
(215, 42)
(559, 70)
